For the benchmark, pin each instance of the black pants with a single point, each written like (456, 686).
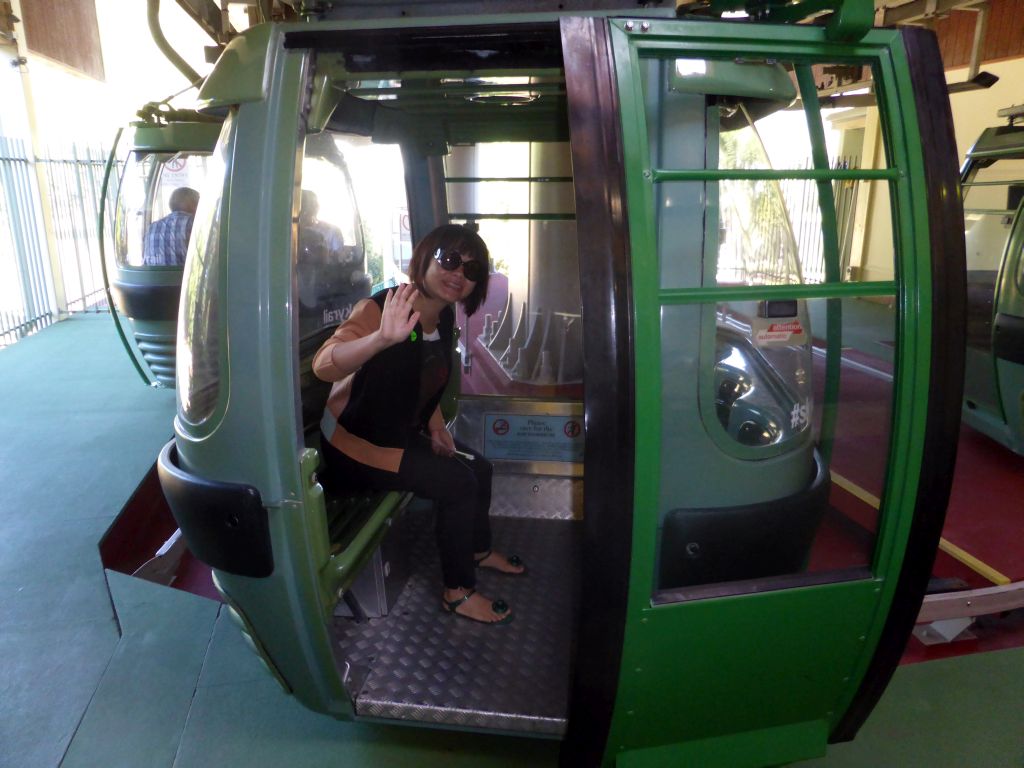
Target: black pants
(461, 489)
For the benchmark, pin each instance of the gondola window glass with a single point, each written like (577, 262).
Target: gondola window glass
(1020, 271)
(742, 118)
(525, 340)
(991, 198)
(762, 374)
(805, 512)
(155, 186)
(199, 327)
(331, 246)
(992, 194)
(775, 408)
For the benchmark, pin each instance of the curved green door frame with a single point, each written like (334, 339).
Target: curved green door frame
(765, 678)
(101, 230)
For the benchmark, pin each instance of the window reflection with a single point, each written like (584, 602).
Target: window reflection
(330, 268)
(526, 339)
(793, 496)
(199, 327)
(762, 380)
(744, 115)
(156, 205)
(992, 195)
(760, 489)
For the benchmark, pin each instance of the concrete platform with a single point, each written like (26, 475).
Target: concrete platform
(147, 676)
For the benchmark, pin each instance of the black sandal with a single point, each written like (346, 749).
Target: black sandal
(514, 560)
(498, 606)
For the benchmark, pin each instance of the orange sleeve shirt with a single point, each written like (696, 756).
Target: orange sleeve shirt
(364, 320)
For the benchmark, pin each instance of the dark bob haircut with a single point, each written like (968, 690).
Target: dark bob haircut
(449, 237)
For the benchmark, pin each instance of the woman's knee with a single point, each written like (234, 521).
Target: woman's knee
(483, 469)
(457, 485)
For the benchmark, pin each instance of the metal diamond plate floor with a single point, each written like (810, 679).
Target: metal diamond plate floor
(424, 665)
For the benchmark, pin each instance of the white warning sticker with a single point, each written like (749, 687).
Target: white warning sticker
(789, 331)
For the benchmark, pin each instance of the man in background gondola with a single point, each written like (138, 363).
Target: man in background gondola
(330, 273)
(167, 239)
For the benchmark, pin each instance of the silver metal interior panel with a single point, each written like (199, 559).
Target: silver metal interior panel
(549, 498)
(422, 664)
(379, 584)
(469, 427)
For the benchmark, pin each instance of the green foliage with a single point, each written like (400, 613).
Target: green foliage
(374, 258)
(756, 213)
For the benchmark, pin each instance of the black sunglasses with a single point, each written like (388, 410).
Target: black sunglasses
(449, 261)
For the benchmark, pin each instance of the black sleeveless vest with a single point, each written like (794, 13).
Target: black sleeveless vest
(386, 388)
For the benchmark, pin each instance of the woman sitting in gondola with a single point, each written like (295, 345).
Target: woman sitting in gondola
(383, 427)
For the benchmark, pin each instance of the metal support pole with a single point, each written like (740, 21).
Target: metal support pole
(980, 25)
(46, 203)
(153, 16)
(79, 219)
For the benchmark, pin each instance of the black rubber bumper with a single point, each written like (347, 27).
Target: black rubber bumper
(1008, 340)
(146, 302)
(752, 541)
(224, 524)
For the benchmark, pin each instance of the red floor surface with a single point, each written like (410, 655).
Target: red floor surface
(986, 506)
(986, 519)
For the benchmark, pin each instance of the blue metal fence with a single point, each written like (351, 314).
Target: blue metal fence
(27, 300)
(75, 178)
(49, 240)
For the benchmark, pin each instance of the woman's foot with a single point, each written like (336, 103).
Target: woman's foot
(470, 604)
(497, 561)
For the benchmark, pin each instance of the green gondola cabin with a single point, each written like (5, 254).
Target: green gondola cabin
(729, 521)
